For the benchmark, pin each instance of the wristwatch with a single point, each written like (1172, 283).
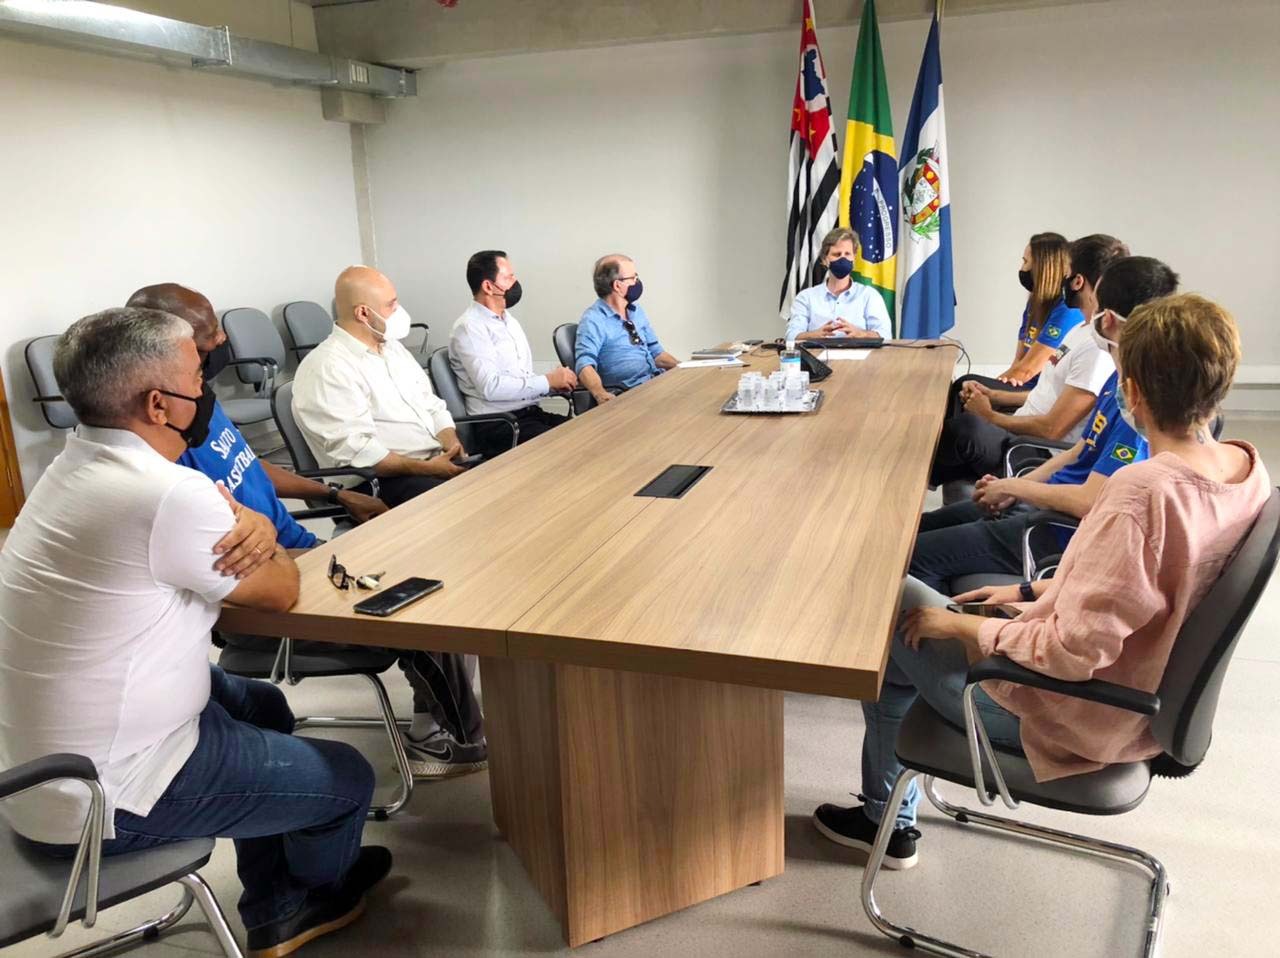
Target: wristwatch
(335, 490)
(1024, 589)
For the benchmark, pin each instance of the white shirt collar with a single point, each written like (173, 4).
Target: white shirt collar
(356, 346)
(110, 436)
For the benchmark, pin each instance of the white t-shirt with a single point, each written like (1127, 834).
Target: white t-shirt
(107, 596)
(1078, 362)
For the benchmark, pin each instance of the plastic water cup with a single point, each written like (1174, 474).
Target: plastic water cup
(795, 392)
(747, 392)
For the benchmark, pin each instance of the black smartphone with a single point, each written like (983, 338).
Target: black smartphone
(752, 342)
(985, 609)
(394, 598)
(468, 461)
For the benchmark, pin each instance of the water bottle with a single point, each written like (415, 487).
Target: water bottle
(789, 359)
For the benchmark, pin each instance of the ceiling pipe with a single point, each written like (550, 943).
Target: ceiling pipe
(104, 28)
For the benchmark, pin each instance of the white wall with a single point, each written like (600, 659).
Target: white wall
(1152, 120)
(120, 173)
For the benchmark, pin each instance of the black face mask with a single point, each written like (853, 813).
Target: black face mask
(1070, 295)
(1025, 278)
(216, 360)
(513, 294)
(198, 430)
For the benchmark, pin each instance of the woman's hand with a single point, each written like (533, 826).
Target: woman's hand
(935, 622)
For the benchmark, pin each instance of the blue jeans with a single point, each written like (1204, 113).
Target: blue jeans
(937, 671)
(295, 807)
(961, 539)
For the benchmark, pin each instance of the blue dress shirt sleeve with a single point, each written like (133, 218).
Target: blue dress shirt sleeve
(590, 339)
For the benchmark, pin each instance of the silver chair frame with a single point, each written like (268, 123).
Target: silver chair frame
(282, 671)
(980, 747)
(87, 863)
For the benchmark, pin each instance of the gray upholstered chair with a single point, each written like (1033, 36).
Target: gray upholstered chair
(40, 894)
(446, 387)
(258, 657)
(258, 356)
(309, 324)
(39, 356)
(1181, 711)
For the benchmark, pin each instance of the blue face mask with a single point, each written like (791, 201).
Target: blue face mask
(1127, 414)
(634, 291)
(840, 268)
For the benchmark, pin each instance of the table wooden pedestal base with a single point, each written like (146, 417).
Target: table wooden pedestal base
(629, 796)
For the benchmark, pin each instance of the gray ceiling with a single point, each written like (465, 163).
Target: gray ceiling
(418, 32)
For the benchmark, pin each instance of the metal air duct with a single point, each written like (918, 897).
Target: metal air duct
(104, 28)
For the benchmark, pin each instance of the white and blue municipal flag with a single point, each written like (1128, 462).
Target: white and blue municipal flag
(926, 286)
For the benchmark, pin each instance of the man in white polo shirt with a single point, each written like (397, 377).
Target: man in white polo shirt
(973, 443)
(108, 591)
(492, 361)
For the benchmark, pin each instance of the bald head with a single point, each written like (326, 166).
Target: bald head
(360, 289)
(186, 304)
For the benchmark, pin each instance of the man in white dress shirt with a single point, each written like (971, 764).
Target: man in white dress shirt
(491, 359)
(361, 399)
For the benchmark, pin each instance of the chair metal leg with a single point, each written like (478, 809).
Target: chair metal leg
(147, 931)
(966, 816)
(382, 812)
(196, 887)
(386, 721)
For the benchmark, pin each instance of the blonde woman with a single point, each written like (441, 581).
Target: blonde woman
(838, 306)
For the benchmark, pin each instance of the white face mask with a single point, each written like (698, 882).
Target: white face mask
(397, 324)
(1126, 413)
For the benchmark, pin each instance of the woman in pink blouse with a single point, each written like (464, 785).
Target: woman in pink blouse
(1148, 551)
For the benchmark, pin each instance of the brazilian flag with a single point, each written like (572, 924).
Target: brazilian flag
(869, 180)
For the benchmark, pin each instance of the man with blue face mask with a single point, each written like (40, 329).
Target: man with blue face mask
(838, 306)
(617, 348)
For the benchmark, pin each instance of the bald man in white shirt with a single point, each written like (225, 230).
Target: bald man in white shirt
(361, 399)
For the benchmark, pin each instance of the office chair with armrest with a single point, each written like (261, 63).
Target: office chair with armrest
(565, 340)
(309, 325)
(446, 387)
(1181, 710)
(40, 894)
(258, 355)
(39, 356)
(279, 661)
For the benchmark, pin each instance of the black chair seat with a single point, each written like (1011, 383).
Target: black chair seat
(32, 883)
(308, 664)
(929, 743)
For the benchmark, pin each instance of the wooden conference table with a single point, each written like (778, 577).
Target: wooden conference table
(634, 650)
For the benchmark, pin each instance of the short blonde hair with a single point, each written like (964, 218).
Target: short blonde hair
(837, 235)
(1182, 352)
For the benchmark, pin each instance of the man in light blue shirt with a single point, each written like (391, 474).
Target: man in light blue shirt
(838, 306)
(617, 348)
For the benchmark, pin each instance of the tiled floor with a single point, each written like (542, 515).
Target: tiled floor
(458, 890)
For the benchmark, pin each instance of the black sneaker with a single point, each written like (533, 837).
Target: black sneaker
(324, 911)
(852, 828)
(440, 755)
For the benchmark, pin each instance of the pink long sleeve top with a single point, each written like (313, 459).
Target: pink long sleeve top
(1146, 554)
